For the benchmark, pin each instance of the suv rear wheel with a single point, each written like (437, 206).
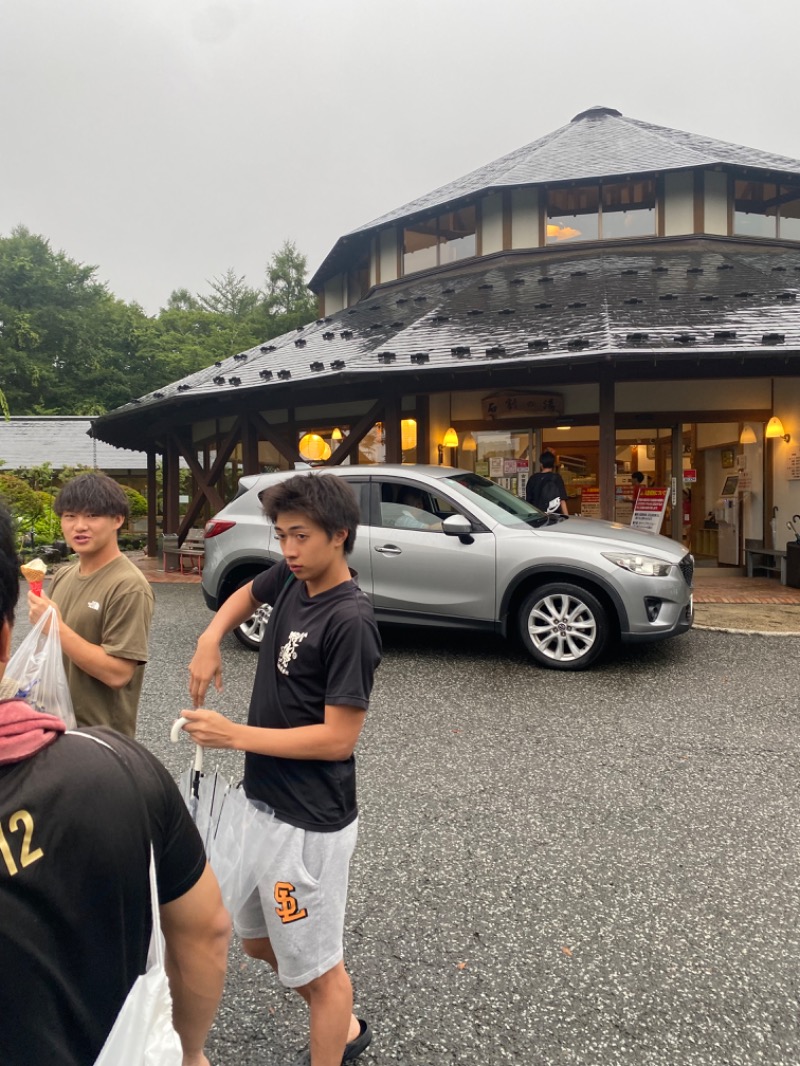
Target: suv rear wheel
(251, 632)
(563, 626)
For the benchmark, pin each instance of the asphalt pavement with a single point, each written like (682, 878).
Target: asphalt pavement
(588, 869)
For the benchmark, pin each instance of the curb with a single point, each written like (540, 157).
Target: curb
(747, 632)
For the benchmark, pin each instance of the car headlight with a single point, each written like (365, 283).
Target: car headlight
(645, 565)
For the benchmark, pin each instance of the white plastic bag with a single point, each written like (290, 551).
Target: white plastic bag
(143, 1034)
(37, 667)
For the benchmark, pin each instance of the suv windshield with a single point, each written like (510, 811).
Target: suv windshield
(496, 501)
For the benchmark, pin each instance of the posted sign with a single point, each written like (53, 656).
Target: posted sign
(649, 510)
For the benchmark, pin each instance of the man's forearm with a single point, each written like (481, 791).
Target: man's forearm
(236, 609)
(112, 671)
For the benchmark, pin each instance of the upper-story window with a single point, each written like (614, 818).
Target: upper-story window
(439, 240)
(608, 211)
(764, 209)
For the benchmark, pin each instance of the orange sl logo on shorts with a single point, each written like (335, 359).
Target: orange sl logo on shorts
(287, 909)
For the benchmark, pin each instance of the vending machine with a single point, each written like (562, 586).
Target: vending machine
(728, 516)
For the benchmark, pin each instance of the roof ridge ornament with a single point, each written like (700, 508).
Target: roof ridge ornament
(598, 111)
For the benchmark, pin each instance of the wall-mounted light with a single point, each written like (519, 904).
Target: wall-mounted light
(469, 444)
(747, 436)
(450, 439)
(775, 429)
(337, 434)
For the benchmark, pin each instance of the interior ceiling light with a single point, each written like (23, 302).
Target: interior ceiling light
(561, 233)
(775, 429)
(747, 436)
(450, 439)
(313, 448)
(408, 434)
(563, 427)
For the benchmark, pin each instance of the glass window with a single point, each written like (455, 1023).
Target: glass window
(789, 218)
(573, 214)
(457, 235)
(420, 243)
(628, 209)
(436, 241)
(405, 506)
(755, 209)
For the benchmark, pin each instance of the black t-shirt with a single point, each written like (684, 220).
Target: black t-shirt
(75, 914)
(317, 650)
(544, 487)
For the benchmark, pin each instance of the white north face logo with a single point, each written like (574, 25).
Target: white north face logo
(289, 651)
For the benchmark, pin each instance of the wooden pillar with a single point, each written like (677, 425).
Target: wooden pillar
(676, 487)
(391, 429)
(152, 503)
(250, 463)
(607, 457)
(172, 487)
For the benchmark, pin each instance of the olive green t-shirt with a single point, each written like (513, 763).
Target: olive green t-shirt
(113, 608)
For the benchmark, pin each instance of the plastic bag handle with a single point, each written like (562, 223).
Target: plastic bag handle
(175, 733)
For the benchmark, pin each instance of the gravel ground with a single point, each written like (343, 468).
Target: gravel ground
(585, 869)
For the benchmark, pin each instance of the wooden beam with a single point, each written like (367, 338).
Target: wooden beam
(357, 433)
(279, 442)
(152, 503)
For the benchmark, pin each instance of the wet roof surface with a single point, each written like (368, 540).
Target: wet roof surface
(532, 310)
(62, 442)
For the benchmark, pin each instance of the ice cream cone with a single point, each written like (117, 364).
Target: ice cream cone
(34, 572)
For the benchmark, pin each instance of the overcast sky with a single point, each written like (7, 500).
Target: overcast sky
(167, 140)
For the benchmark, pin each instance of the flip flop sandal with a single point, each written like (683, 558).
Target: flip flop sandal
(352, 1049)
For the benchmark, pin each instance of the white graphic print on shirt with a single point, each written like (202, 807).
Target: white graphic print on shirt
(289, 651)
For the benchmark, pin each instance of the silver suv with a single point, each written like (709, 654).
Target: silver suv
(444, 547)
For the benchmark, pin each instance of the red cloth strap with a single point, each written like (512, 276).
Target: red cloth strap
(24, 731)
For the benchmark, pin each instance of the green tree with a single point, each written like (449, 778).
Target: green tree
(230, 295)
(288, 297)
(25, 505)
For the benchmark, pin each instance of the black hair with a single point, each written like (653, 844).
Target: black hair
(92, 494)
(9, 568)
(637, 475)
(547, 460)
(325, 499)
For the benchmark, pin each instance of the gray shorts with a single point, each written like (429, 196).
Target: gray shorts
(299, 901)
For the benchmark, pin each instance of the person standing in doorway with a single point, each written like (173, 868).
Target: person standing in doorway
(104, 606)
(546, 490)
(312, 688)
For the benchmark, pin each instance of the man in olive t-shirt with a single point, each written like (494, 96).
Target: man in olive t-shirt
(104, 604)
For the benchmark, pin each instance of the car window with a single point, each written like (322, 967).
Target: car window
(501, 504)
(407, 506)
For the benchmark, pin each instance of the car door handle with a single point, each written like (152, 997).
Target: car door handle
(390, 549)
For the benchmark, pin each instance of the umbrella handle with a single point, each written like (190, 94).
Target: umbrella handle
(174, 733)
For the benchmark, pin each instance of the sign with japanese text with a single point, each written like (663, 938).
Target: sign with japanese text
(590, 502)
(519, 404)
(649, 510)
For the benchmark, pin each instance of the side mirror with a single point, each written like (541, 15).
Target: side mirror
(457, 526)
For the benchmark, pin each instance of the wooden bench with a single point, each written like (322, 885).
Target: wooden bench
(192, 552)
(770, 561)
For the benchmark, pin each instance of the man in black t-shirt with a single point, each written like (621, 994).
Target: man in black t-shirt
(77, 820)
(546, 490)
(310, 697)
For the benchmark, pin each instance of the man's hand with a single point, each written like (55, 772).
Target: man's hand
(37, 605)
(209, 729)
(205, 667)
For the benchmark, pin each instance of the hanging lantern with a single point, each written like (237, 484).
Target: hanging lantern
(408, 434)
(313, 448)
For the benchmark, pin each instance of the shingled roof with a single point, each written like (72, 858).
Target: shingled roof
(598, 143)
(62, 442)
(527, 311)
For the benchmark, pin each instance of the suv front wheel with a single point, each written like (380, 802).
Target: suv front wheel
(563, 626)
